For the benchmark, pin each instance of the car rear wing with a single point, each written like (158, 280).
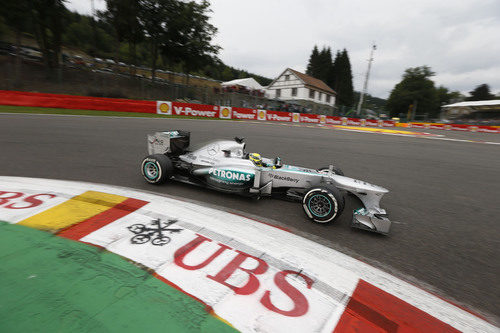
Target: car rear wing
(168, 142)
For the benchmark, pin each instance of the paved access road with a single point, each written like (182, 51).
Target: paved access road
(443, 200)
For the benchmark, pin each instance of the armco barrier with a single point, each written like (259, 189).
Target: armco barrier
(169, 108)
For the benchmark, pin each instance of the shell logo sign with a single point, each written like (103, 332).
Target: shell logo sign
(261, 114)
(225, 112)
(296, 117)
(322, 119)
(163, 107)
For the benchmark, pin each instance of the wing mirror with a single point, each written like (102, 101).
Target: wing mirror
(277, 163)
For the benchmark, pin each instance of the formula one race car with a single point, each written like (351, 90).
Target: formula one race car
(225, 166)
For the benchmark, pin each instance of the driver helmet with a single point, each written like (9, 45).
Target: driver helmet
(255, 158)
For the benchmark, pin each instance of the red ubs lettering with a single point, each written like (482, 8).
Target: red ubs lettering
(15, 200)
(301, 305)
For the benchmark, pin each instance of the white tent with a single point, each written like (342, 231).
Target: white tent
(250, 83)
(486, 104)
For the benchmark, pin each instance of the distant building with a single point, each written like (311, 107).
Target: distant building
(303, 91)
(248, 83)
(474, 112)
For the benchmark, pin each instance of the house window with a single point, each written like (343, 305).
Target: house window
(328, 98)
(311, 93)
(320, 95)
(278, 93)
(287, 77)
(294, 91)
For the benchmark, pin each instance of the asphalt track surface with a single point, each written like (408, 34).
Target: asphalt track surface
(443, 196)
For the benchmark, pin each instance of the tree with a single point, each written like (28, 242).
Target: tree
(415, 90)
(123, 16)
(48, 20)
(13, 13)
(158, 17)
(444, 96)
(196, 34)
(343, 79)
(313, 65)
(320, 63)
(481, 93)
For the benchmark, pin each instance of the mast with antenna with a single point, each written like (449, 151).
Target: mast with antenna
(365, 85)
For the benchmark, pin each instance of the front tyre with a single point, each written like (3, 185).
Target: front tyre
(157, 168)
(323, 204)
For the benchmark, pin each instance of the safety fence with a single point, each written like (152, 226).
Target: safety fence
(172, 108)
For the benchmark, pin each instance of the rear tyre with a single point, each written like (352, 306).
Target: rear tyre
(323, 204)
(336, 170)
(157, 168)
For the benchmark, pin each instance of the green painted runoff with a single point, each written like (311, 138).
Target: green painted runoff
(52, 284)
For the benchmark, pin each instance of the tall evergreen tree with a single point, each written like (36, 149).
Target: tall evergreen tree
(345, 89)
(326, 64)
(313, 65)
(335, 70)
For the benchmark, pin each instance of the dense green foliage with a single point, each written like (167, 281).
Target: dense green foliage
(337, 74)
(416, 91)
(159, 34)
(417, 97)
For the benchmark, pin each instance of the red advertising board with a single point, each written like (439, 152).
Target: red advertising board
(310, 118)
(279, 116)
(21, 98)
(459, 127)
(195, 110)
(387, 123)
(485, 129)
(436, 126)
(353, 122)
(371, 122)
(333, 120)
(244, 113)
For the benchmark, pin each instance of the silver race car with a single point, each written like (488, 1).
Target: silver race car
(224, 165)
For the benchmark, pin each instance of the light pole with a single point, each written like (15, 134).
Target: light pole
(365, 85)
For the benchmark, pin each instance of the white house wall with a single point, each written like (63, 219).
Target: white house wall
(286, 86)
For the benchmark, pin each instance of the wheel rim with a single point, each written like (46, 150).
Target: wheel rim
(319, 205)
(151, 170)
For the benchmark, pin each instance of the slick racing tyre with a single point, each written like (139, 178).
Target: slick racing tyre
(336, 170)
(323, 204)
(157, 168)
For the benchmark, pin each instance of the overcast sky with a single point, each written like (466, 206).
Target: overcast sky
(458, 39)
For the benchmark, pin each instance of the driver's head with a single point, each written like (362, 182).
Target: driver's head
(255, 158)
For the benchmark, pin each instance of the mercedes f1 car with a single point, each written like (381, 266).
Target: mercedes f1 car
(224, 165)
